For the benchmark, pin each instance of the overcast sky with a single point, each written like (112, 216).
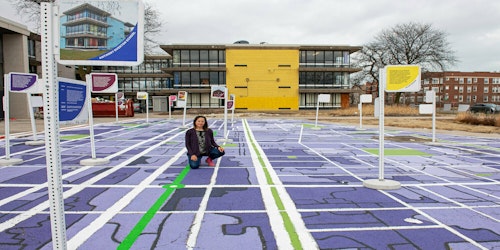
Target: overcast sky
(472, 26)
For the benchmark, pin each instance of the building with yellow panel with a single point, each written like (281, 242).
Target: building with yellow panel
(263, 77)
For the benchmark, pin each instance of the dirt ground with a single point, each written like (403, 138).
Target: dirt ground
(444, 122)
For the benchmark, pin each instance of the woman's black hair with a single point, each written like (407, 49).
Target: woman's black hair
(205, 126)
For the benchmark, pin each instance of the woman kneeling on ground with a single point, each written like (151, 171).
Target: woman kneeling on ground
(200, 142)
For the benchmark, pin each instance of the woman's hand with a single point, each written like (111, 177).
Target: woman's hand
(194, 158)
(221, 149)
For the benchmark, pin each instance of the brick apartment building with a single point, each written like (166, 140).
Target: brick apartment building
(451, 87)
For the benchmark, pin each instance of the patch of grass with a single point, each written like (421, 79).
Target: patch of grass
(478, 119)
(369, 110)
(67, 54)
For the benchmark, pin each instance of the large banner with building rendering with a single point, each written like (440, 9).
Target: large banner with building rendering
(101, 32)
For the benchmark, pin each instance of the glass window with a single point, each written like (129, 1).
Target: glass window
(184, 57)
(320, 57)
(309, 57)
(195, 78)
(302, 56)
(185, 79)
(204, 58)
(222, 56)
(213, 56)
(194, 58)
(328, 58)
(338, 58)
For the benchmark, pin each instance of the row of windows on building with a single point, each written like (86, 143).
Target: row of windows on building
(87, 29)
(455, 99)
(306, 100)
(199, 58)
(470, 98)
(217, 58)
(469, 89)
(150, 66)
(315, 58)
(462, 80)
(206, 79)
(87, 14)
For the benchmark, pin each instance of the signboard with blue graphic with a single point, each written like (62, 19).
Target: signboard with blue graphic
(72, 100)
(100, 33)
(23, 82)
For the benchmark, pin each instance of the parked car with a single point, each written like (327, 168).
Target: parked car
(487, 108)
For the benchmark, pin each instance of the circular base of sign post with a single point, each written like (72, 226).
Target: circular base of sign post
(382, 184)
(35, 143)
(10, 162)
(94, 161)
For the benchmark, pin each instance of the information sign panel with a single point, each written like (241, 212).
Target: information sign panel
(23, 82)
(402, 78)
(72, 100)
(218, 92)
(104, 82)
(142, 95)
(324, 98)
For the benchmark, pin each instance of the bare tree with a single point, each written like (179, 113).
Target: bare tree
(405, 44)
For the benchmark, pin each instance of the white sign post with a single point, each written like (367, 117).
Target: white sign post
(393, 78)
(363, 99)
(321, 98)
(220, 92)
(119, 96)
(34, 102)
(430, 97)
(182, 102)
(98, 83)
(171, 100)
(231, 103)
(144, 96)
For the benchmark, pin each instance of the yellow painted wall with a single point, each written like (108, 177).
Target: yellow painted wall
(263, 79)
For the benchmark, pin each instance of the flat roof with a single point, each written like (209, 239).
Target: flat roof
(171, 47)
(10, 27)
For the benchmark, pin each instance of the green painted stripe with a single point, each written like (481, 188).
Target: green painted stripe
(397, 152)
(290, 229)
(148, 216)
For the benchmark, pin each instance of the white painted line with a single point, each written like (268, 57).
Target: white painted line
(198, 218)
(276, 221)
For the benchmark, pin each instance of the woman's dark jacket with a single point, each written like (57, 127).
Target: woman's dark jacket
(192, 141)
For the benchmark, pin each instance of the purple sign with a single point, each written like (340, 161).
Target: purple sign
(104, 82)
(20, 82)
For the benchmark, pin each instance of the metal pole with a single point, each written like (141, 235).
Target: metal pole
(225, 113)
(360, 115)
(6, 107)
(434, 117)
(116, 106)
(381, 97)
(91, 116)
(51, 122)
(317, 111)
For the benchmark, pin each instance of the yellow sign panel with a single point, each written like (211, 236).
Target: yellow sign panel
(402, 78)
